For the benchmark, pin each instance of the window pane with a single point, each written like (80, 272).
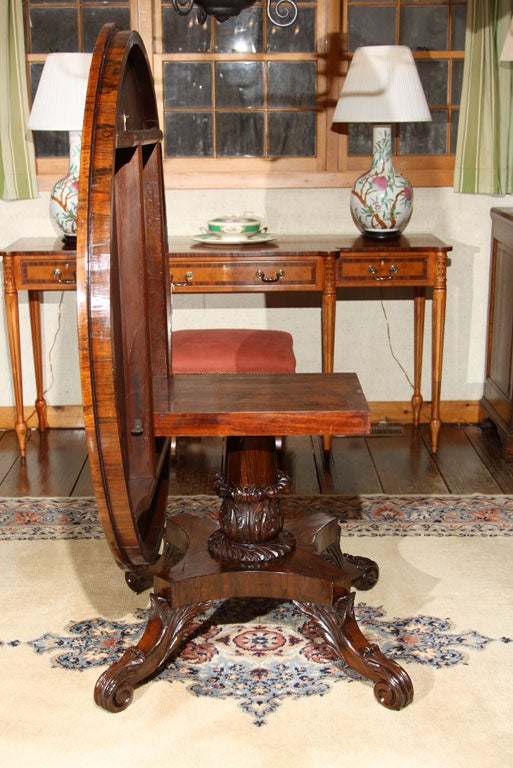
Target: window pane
(424, 28)
(243, 34)
(371, 26)
(53, 30)
(299, 37)
(459, 20)
(360, 139)
(434, 77)
(240, 134)
(457, 81)
(425, 138)
(291, 134)
(292, 84)
(187, 84)
(188, 134)
(239, 84)
(183, 34)
(93, 20)
(454, 130)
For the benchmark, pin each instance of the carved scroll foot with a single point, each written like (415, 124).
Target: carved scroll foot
(363, 571)
(140, 579)
(164, 631)
(393, 687)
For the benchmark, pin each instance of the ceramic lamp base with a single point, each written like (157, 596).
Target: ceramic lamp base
(382, 198)
(64, 195)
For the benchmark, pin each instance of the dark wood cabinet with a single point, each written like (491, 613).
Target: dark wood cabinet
(498, 390)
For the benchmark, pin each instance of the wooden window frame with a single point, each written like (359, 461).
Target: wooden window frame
(332, 167)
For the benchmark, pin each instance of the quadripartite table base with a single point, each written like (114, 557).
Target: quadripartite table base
(254, 552)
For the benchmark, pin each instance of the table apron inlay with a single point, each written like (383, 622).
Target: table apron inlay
(292, 264)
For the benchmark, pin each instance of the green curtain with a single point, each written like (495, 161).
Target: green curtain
(17, 163)
(484, 152)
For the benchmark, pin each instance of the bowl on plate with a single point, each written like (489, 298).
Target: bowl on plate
(244, 225)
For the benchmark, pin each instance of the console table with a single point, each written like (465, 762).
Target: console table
(293, 264)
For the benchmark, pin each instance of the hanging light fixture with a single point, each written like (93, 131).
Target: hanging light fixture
(282, 13)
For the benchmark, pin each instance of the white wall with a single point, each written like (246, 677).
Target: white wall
(362, 341)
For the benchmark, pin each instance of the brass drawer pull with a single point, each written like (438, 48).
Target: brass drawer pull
(280, 274)
(393, 270)
(64, 281)
(188, 278)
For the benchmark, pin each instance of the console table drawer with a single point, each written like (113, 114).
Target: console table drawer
(46, 274)
(383, 269)
(247, 274)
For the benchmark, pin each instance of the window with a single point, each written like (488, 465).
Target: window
(435, 31)
(247, 102)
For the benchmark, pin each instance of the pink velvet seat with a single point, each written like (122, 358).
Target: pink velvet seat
(232, 350)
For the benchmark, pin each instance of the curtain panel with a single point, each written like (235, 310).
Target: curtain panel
(17, 164)
(484, 152)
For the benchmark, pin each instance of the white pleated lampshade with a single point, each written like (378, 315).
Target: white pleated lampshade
(382, 86)
(60, 98)
(507, 48)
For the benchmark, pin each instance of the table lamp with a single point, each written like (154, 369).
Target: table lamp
(59, 106)
(382, 87)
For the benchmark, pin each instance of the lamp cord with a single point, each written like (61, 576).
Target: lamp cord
(394, 356)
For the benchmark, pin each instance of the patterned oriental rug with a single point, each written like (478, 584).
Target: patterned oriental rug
(255, 686)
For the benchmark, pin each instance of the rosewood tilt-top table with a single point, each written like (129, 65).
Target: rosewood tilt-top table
(133, 404)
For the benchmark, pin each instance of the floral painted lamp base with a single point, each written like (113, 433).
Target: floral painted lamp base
(64, 196)
(381, 199)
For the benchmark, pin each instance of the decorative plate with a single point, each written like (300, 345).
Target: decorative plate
(211, 238)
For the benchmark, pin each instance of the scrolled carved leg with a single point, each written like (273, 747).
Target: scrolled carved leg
(164, 631)
(363, 571)
(393, 687)
(140, 579)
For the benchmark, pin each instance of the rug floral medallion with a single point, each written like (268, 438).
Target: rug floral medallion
(261, 652)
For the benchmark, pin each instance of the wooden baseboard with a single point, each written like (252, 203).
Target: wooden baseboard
(57, 416)
(451, 412)
(397, 412)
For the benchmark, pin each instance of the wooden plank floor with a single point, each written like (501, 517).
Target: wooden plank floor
(469, 460)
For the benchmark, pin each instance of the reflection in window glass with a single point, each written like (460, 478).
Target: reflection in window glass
(243, 34)
(434, 76)
(292, 84)
(93, 20)
(299, 37)
(457, 81)
(425, 27)
(459, 23)
(183, 34)
(360, 139)
(425, 138)
(239, 84)
(291, 134)
(240, 134)
(53, 30)
(454, 130)
(188, 134)
(371, 26)
(187, 84)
